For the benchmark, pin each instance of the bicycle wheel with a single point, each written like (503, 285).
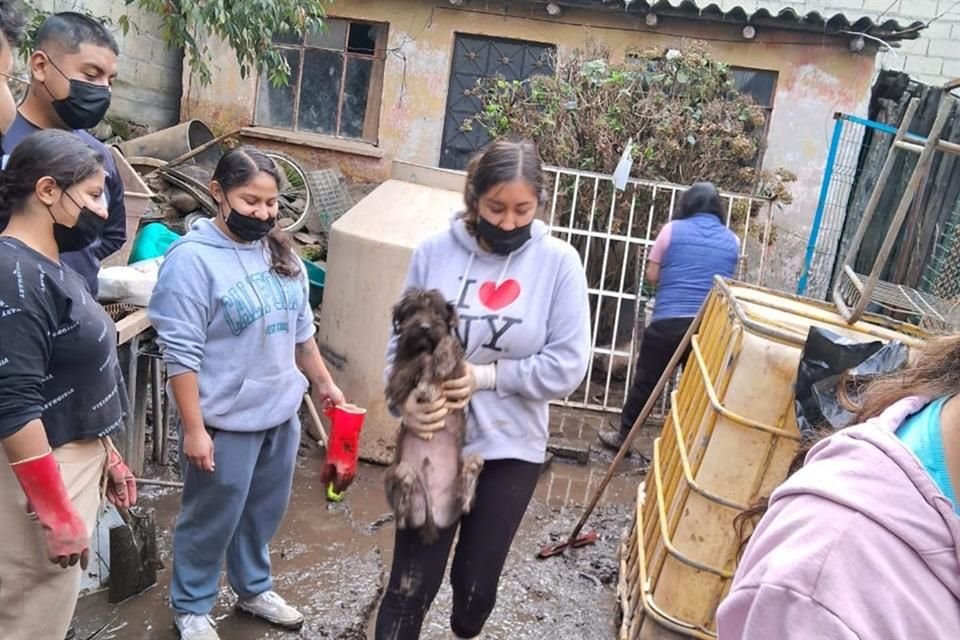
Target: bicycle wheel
(295, 192)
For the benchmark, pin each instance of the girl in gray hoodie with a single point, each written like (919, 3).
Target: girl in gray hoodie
(521, 296)
(233, 320)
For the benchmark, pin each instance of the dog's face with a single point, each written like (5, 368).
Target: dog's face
(421, 320)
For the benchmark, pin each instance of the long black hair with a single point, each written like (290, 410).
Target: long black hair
(238, 167)
(52, 153)
(499, 162)
(702, 197)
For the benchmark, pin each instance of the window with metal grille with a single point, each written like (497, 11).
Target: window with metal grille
(759, 84)
(336, 82)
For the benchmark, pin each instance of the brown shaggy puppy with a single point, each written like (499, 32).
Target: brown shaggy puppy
(429, 485)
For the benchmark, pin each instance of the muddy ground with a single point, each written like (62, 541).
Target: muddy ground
(332, 560)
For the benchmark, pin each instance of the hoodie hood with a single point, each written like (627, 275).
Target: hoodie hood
(206, 232)
(897, 493)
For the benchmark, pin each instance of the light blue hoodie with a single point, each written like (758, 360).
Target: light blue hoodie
(529, 313)
(220, 312)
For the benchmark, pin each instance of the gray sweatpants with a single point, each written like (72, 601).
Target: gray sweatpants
(234, 511)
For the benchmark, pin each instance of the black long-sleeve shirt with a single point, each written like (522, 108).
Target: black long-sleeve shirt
(58, 351)
(86, 262)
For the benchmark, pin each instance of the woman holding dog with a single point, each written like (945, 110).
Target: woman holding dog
(521, 296)
(235, 326)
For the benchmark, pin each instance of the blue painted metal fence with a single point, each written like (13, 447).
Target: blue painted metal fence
(839, 178)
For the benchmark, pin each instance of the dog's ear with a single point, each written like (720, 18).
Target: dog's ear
(452, 320)
(400, 312)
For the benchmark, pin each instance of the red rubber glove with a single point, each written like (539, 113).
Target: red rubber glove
(121, 484)
(340, 463)
(67, 539)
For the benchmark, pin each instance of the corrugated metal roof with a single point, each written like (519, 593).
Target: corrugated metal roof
(813, 21)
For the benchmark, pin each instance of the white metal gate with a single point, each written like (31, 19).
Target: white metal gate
(613, 231)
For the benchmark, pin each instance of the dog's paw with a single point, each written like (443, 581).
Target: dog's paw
(472, 466)
(400, 481)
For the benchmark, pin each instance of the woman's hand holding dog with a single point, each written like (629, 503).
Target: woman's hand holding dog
(477, 376)
(426, 417)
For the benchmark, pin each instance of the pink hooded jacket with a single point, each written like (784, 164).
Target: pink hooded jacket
(858, 544)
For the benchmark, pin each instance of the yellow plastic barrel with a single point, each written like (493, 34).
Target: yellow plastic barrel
(728, 439)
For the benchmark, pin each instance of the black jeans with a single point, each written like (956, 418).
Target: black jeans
(660, 341)
(486, 533)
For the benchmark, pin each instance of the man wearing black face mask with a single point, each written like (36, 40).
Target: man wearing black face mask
(72, 67)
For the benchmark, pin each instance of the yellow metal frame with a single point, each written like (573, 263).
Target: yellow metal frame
(659, 505)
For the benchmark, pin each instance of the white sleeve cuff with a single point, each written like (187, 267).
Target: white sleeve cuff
(485, 375)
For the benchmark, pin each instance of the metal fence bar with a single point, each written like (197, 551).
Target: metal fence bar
(840, 177)
(821, 204)
(612, 359)
(616, 320)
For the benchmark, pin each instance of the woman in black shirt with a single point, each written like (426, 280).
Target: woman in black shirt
(60, 385)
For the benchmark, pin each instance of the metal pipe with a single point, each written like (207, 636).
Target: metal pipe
(160, 483)
(821, 206)
(638, 423)
(156, 397)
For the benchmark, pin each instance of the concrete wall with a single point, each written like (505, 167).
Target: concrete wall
(815, 80)
(933, 59)
(147, 90)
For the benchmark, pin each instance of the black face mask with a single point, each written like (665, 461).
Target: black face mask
(85, 105)
(502, 242)
(82, 234)
(248, 228)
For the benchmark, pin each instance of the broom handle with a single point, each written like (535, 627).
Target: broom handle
(638, 423)
(315, 417)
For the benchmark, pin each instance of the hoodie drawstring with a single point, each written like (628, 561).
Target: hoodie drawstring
(463, 278)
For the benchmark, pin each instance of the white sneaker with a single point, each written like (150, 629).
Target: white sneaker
(272, 608)
(195, 627)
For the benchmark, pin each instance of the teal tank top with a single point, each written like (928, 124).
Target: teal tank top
(921, 434)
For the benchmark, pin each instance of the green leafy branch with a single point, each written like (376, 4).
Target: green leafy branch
(247, 26)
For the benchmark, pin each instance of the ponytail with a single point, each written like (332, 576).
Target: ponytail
(283, 259)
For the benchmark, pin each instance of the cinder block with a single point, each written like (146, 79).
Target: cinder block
(951, 69)
(922, 66)
(878, 7)
(944, 48)
(920, 9)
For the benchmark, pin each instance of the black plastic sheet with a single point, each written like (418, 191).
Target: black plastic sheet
(826, 357)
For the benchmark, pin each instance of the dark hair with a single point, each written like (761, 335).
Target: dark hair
(239, 167)
(501, 161)
(933, 372)
(69, 29)
(54, 153)
(702, 197)
(12, 22)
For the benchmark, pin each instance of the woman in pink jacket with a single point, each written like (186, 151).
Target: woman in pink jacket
(864, 540)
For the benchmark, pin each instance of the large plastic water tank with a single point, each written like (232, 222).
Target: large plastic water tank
(369, 251)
